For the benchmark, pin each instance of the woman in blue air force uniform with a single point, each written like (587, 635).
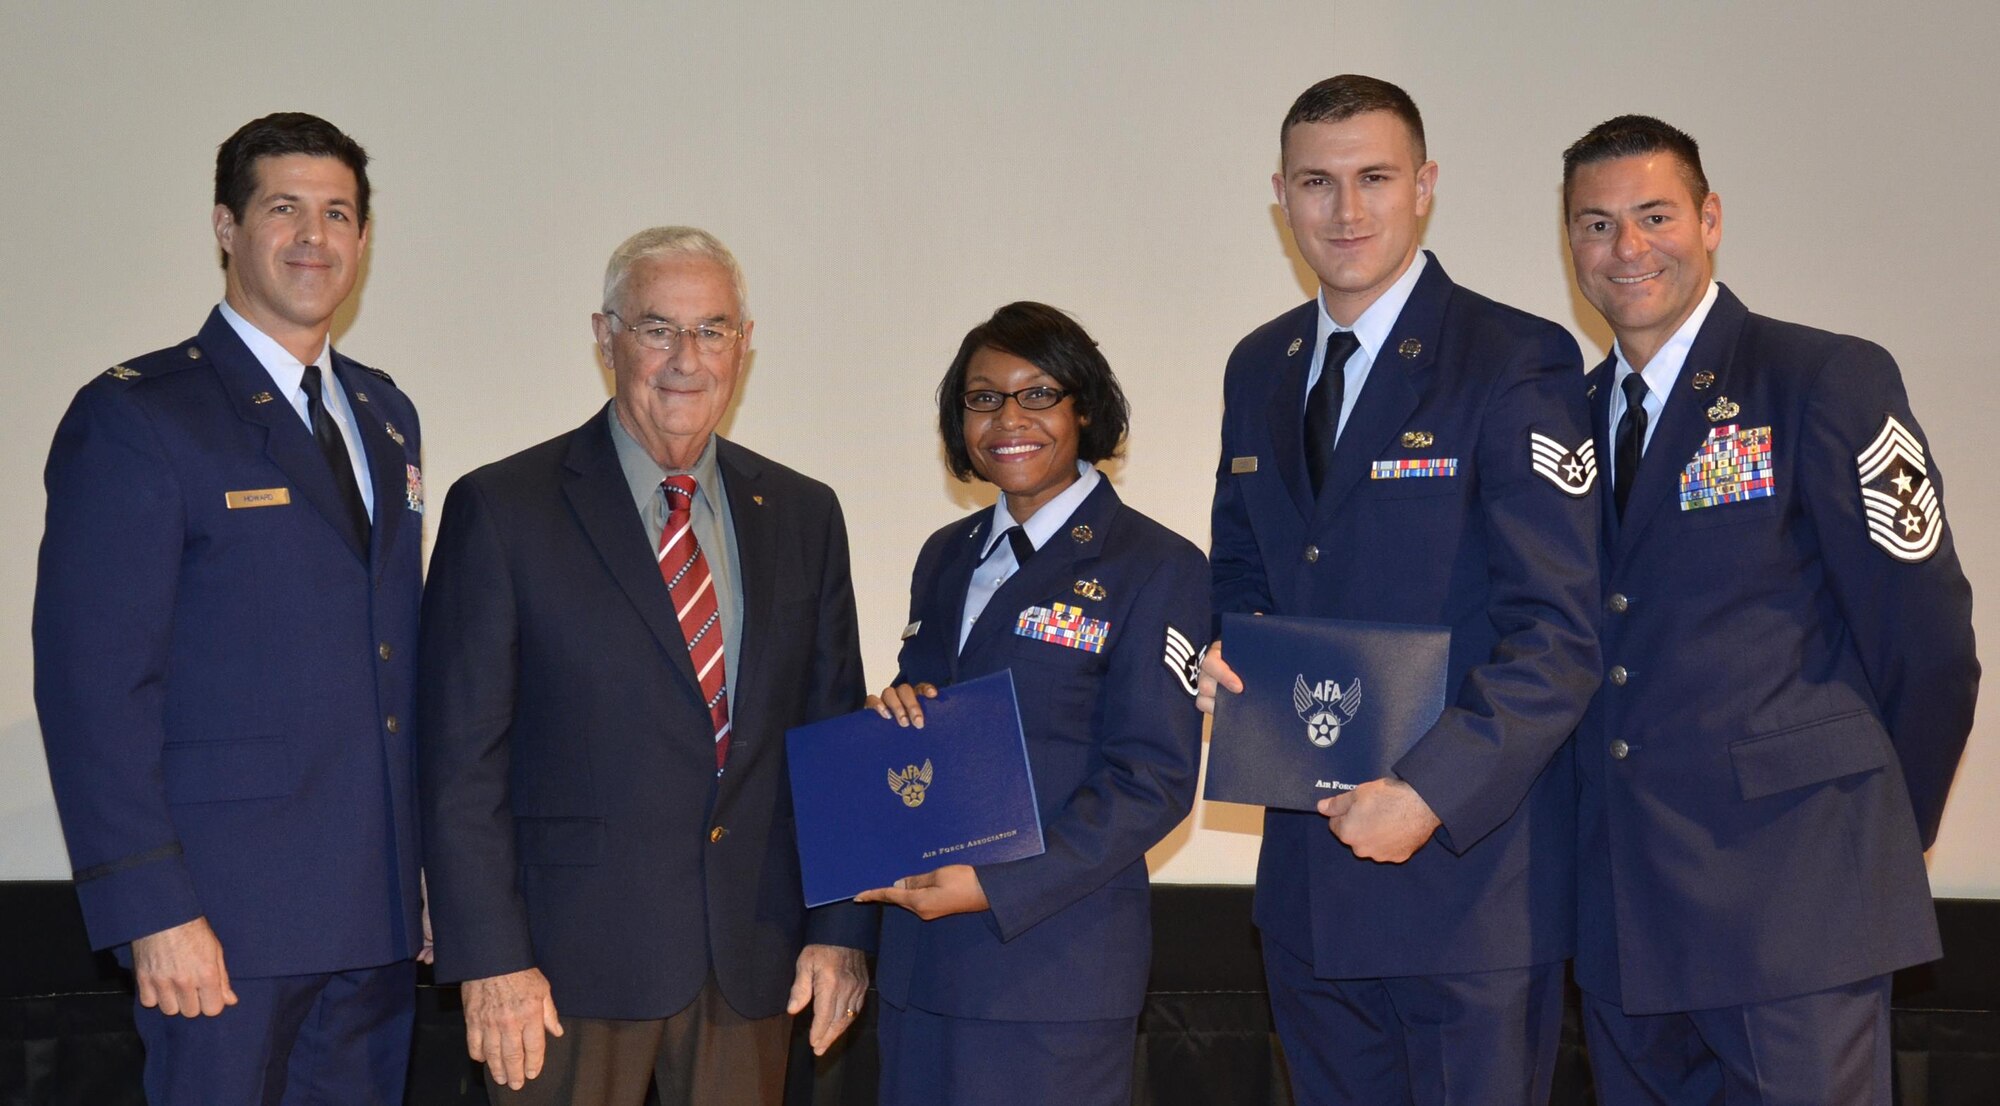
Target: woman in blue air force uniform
(1021, 982)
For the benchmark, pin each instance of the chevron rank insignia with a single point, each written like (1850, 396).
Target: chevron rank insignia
(1901, 504)
(1574, 471)
(1183, 659)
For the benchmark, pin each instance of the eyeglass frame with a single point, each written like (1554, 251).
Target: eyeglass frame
(965, 398)
(735, 333)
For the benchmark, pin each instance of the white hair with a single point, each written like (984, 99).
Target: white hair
(656, 242)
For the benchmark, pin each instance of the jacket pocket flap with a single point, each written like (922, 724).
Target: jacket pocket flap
(222, 771)
(560, 840)
(1813, 753)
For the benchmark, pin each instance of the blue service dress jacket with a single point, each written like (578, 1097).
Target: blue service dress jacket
(1789, 680)
(1462, 493)
(223, 677)
(573, 818)
(1114, 743)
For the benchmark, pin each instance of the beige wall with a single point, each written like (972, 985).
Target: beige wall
(889, 173)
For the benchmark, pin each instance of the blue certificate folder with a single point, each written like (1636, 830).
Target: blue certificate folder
(1327, 704)
(876, 801)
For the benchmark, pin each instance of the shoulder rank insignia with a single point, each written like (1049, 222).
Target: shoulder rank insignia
(1410, 347)
(1293, 349)
(120, 372)
(378, 372)
(911, 782)
(1724, 409)
(1571, 470)
(1904, 515)
(1732, 465)
(1183, 660)
(395, 435)
(1418, 439)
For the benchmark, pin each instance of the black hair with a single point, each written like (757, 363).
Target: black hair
(1338, 99)
(275, 135)
(1056, 344)
(1632, 136)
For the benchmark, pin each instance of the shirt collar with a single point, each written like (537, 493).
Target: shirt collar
(1043, 524)
(287, 372)
(643, 475)
(1372, 328)
(1664, 369)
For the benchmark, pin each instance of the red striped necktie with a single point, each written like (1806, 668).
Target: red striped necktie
(693, 589)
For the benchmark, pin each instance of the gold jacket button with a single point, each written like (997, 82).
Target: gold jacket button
(1619, 675)
(384, 651)
(392, 724)
(717, 834)
(1620, 750)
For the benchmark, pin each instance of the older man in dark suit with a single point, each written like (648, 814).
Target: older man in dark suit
(620, 624)
(225, 625)
(1789, 667)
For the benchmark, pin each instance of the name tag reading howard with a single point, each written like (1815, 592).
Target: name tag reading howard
(258, 497)
(876, 801)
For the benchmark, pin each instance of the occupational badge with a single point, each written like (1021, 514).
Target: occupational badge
(1904, 515)
(1089, 589)
(1733, 464)
(1063, 624)
(413, 488)
(1183, 659)
(1574, 471)
(1325, 708)
(911, 782)
(1724, 409)
(1418, 439)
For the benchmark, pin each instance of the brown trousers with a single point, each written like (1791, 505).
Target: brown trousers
(706, 1055)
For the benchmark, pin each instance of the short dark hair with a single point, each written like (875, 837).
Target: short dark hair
(1338, 99)
(1632, 136)
(275, 135)
(1056, 344)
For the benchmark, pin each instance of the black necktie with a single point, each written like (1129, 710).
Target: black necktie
(1017, 540)
(1323, 405)
(334, 448)
(1631, 440)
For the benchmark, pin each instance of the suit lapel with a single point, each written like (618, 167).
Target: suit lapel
(948, 587)
(385, 455)
(1050, 573)
(1288, 404)
(287, 442)
(757, 562)
(1600, 431)
(1684, 420)
(1390, 395)
(598, 495)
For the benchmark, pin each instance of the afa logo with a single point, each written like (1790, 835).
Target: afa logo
(1325, 708)
(911, 782)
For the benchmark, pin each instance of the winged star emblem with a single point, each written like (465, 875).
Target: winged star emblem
(911, 782)
(1326, 708)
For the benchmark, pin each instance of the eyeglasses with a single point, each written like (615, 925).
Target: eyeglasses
(708, 337)
(1038, 398)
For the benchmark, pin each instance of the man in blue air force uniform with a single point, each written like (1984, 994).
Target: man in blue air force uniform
(1789, 667)
(225, 624)
(1404, 450)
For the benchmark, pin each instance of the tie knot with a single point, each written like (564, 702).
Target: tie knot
(1635, 390)
(1340, 345)
(680, 492)
(310, 381)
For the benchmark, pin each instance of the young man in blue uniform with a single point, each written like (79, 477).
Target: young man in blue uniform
(1790, 671)
(225, 623)
(1404, 450)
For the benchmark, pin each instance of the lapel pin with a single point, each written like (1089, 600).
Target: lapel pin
(395, 435)
(1089, 589)
(1723, 409)
(120, 372)
(1703, 379)
(261, 398)
(757, 499)
(1410, 347)
(1080, 534)
(1418, 439)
